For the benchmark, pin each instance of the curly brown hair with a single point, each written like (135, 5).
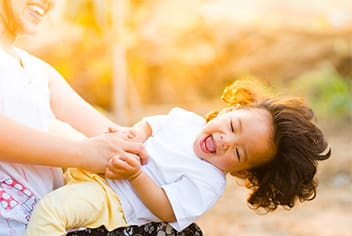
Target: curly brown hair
(300, 144)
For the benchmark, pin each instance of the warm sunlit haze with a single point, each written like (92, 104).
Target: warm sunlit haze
(135, 58)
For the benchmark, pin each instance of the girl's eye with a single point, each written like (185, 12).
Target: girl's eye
(237, 154)
(232, 128)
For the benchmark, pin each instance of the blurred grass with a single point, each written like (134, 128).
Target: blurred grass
(328, 92)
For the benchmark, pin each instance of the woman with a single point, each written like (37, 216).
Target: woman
(31, 94)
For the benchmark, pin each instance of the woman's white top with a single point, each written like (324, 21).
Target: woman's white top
(191, 184)
(24, 97)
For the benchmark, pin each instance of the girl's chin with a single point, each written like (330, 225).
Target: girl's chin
(197, 150)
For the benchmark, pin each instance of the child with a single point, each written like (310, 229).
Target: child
(270, 142)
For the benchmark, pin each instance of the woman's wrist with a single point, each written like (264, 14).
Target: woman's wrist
(74, 155)
(84, 157)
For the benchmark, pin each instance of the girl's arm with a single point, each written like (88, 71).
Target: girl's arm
(152, 195)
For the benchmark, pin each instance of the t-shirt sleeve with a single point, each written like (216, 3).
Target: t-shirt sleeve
(191, 198)
(155, 122)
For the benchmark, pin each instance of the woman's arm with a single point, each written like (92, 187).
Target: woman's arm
(68, 106)
(20, 143)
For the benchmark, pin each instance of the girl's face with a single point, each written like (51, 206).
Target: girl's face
(25, 15)
(237, 139)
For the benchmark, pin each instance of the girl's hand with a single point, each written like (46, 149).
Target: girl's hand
(124, 167)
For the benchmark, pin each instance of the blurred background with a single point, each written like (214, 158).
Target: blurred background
(135, 58)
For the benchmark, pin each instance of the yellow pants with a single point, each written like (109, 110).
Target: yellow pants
(85, 201)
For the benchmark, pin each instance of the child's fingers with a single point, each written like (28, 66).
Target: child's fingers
(120, 164)
(131, 159)
(112, 174)
(123, 164)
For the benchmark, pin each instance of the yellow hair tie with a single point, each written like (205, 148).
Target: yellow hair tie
(235, 94)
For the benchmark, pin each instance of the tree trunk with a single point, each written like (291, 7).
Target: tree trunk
(119, 8)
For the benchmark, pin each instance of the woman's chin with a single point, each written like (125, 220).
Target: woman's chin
(28, 29)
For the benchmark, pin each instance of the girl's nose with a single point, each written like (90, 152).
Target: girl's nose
(227, 140)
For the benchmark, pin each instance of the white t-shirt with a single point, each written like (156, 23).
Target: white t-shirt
(191, 184)
(24, 97)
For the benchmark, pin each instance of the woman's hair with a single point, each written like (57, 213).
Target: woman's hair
(8, 19)
(299, 144)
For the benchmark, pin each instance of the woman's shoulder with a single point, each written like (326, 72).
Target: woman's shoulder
(28, 57)
(36, 64)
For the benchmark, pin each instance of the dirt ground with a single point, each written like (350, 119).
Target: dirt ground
(329, 214)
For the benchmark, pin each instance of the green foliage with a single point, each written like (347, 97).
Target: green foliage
(327, 92)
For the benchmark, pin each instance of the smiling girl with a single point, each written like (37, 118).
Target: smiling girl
(270, 142)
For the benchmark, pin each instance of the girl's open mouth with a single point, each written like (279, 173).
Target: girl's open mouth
(207, 145)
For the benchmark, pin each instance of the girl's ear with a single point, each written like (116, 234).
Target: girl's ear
(242, 174)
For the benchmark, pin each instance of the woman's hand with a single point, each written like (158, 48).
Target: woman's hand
(96, 152)
(134, 134)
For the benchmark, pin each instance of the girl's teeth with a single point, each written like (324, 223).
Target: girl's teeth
(38, 10)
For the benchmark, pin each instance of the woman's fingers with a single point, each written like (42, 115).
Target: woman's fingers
(137, 148)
